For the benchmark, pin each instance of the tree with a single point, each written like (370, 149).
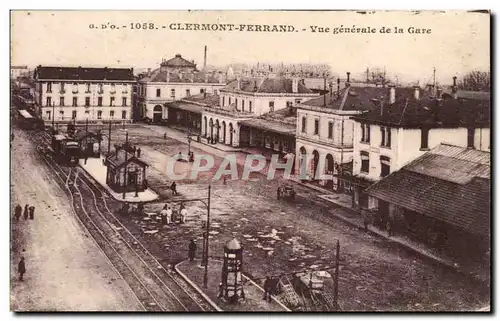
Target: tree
(476, 81)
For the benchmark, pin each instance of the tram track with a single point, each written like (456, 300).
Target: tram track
(154, 289)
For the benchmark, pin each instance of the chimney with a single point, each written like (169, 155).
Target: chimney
(392, 94)
(168, 76)
(381, 106)
(331, 91)
(439, 91)
(416, 92)
(149, 71)
(206, 77)
(295, 85)
(238, 83)
(221, 79)
(205, 59)
(454, 89)
(348, 82)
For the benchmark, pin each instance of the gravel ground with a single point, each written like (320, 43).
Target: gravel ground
(281, 237)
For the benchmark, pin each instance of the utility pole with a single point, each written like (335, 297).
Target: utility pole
(109, 137)
(126, 160)
(336, 283)
(324, 88)
(53, 115)
(205, 275)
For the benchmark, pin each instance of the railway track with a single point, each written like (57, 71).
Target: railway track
(156, 288)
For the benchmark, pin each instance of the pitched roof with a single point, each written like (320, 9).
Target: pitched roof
(267, 85)
(178, 61)
(270, 125)
(409, 113)
(356, 98)
(183, 77)
(117, 159)
(84, 73)
(449, 183)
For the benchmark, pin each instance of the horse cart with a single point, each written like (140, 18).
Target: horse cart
(286, 192)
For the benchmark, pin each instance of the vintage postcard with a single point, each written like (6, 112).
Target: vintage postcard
(270, 161)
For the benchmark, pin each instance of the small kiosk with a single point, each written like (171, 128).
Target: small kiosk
(231, 284)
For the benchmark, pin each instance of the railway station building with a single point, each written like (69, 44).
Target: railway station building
(175, 79)
(81, 93)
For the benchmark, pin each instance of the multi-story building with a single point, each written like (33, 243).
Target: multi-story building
(263, 95)
(19, 71)
(394, 134)
(81, 93)
(325, 130)
(176, 79)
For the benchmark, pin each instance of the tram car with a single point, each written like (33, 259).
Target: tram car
(65, 150)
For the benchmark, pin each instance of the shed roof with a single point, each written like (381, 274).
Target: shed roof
(84, 73)
(449, 183)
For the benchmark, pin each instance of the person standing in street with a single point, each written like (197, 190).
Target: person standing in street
(18, 212)
(267, 289)
(184, 213)
(139, 152)
(21, 268)
(173, 187)
(32, 212)
(26, 212)
(192, 250)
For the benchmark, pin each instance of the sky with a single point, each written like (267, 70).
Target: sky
(458, 42)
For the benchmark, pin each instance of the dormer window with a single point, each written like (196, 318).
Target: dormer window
(385, 135)
(365, 133)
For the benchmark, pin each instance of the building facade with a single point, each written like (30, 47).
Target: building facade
(176, 79)
(387, 139)
(19, 71)
(81, 93)
(325, 133)
(259, 96)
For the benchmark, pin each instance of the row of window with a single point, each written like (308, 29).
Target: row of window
(385, 135)
(316, 127)
(87, 101)
(172, 92)
(100, 87)
(74, 114)
(385, 164)
(237, 105)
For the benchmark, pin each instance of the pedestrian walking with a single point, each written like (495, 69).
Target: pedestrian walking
(267, 289)
(165, 215)
(173, 187)
(165, 136)
(192, 250)
(21, 268)
(32, 212)
(278, 193)
(138, 152)
(26, 212)
(18, 212)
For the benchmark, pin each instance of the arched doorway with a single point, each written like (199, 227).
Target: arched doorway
(205, 126)
(157, 114)
(224, 132)
(302, 161)
(330, 165)
(314, 164)
(211, 124)
(230, 134)
(217, 128)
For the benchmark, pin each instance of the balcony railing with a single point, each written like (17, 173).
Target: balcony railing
(112, 91)
(75, 91)
(100, 91)
(62, 91)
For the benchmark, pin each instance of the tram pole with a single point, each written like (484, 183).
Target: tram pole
(53, 116)
(126, 160)
(109, 137)
(205, 275)
(336, 283)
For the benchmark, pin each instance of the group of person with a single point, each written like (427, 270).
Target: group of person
(167, 214)
(29, 212)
